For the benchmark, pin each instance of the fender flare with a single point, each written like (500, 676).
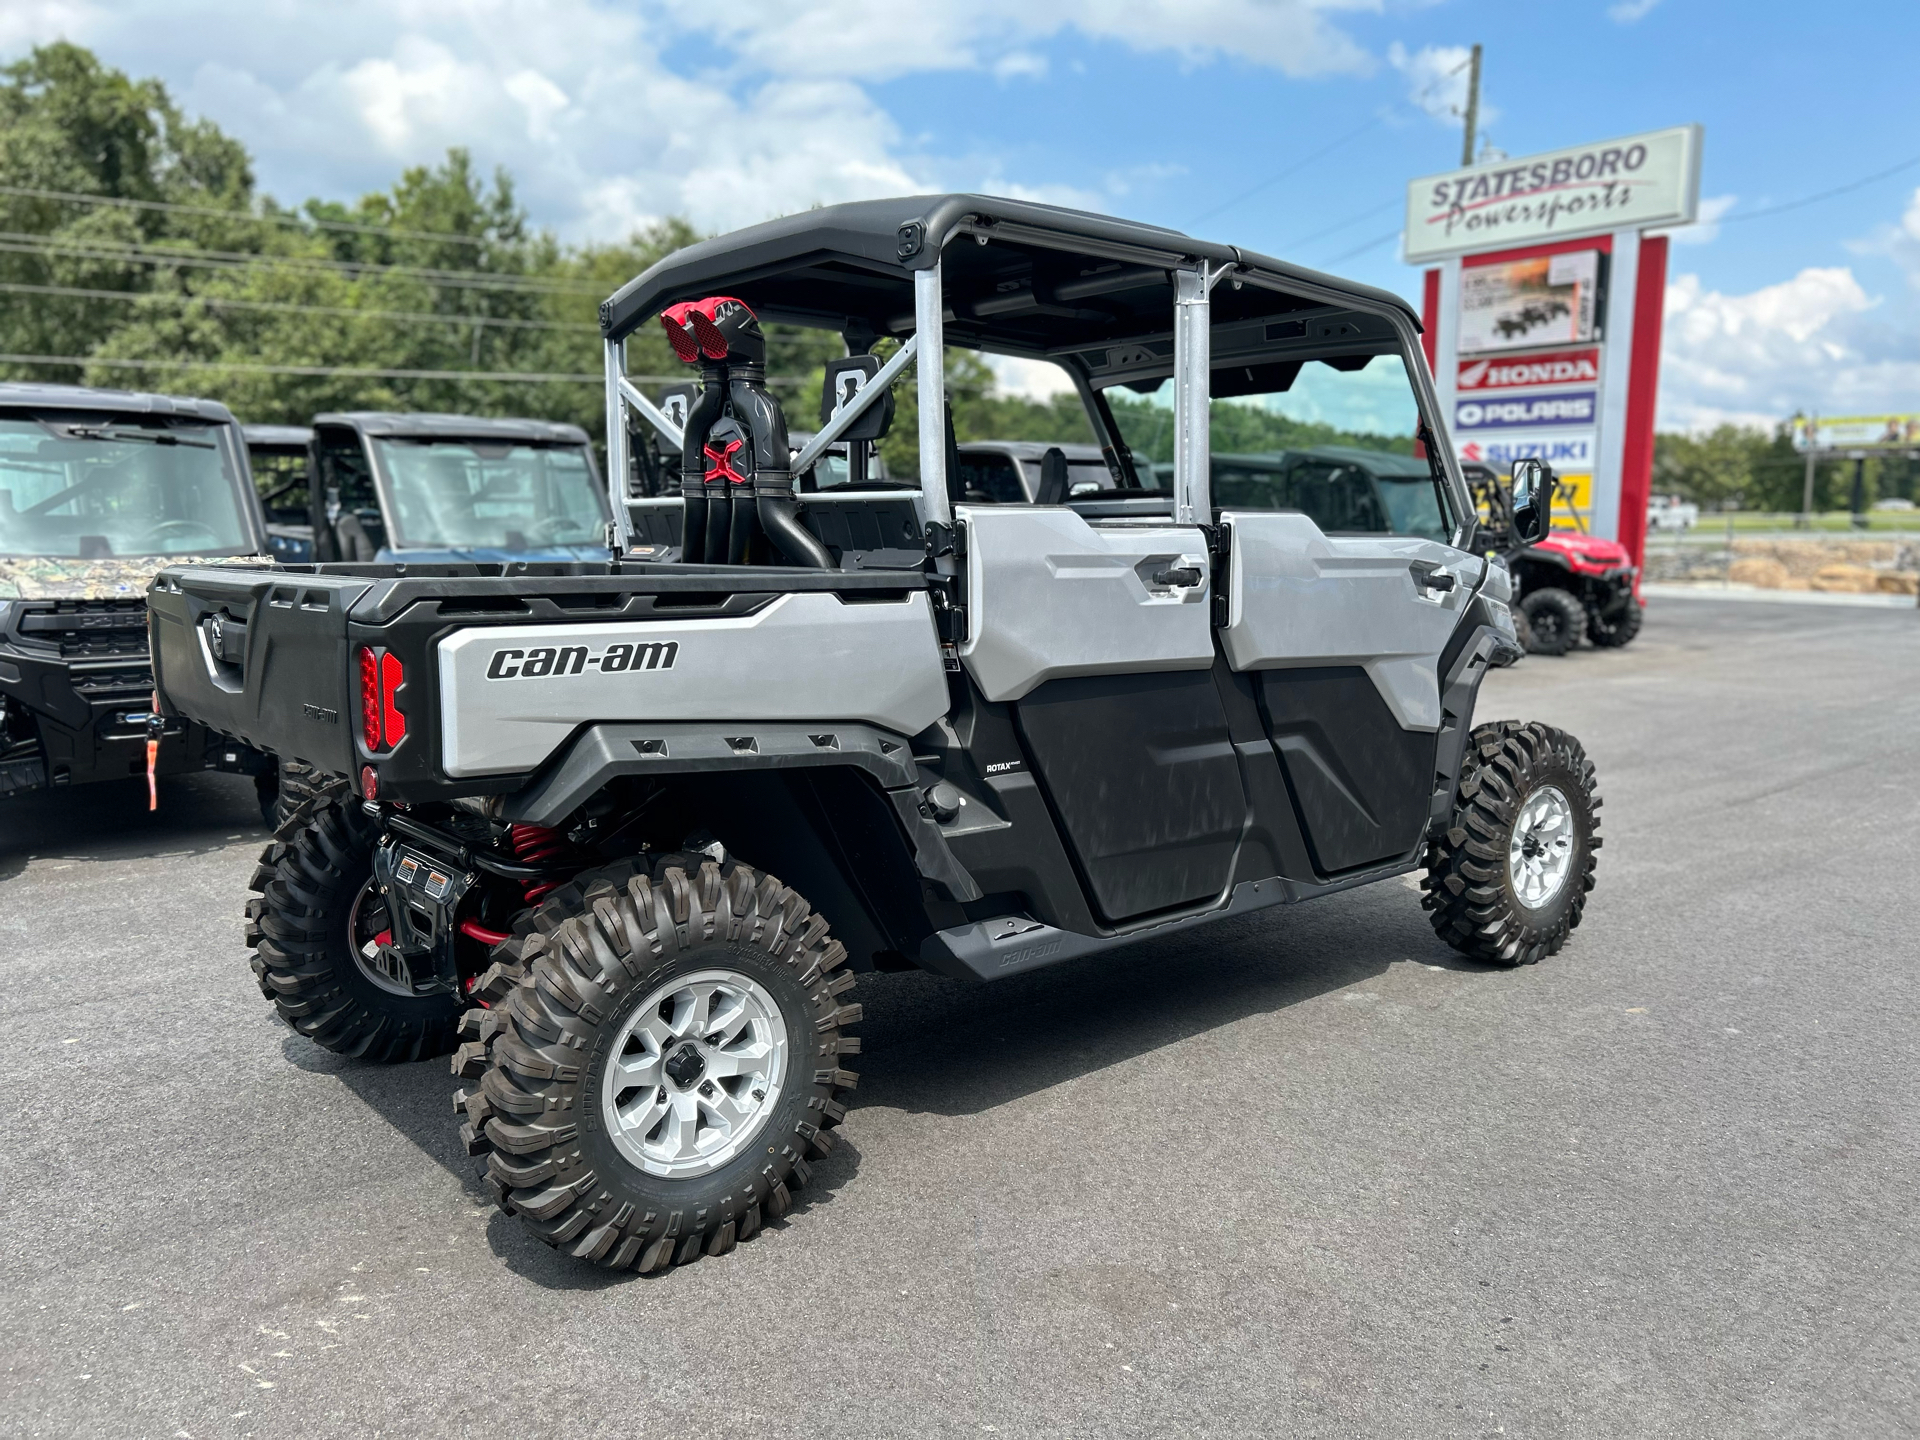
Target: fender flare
(606, 752)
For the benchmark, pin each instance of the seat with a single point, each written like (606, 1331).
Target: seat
(1053, 478)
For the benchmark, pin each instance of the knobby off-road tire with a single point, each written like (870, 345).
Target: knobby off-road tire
(1522, 631)
(622, 951)
(1615, 628)
(314, 887)
(1508, 881)
(1556, 620)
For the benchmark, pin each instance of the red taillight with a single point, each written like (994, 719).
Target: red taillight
(382, 726)
(392, 673)
(369, 698)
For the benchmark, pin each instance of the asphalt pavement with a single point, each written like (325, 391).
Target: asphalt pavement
(1302, 1173)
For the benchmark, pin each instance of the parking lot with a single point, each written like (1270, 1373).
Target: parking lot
(1306, 1172)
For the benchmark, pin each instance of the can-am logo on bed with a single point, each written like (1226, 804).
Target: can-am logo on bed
(1556, 367)
(1511, 412)
(543, 661)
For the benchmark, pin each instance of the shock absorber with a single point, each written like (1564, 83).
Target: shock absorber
(533, 844)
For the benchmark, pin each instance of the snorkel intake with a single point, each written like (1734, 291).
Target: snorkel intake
(735, 474)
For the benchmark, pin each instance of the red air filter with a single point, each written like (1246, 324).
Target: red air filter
(673, 320)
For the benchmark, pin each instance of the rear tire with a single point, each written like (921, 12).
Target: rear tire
(1615, 628)
(1556, 620)
(1508, 881)
(315, 887)
(613, 1122)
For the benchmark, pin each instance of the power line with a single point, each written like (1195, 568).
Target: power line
(1824, 194)
(295, 220)
(1373, 244)
(361, 372)
(1350, 220)
(25, 242)
(1291, 169)
(293, 308)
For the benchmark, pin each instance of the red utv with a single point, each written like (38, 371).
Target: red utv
(1568, 586)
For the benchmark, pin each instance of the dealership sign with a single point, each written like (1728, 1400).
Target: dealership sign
(1631, 184)
(1507, 413)
(1569, 453)
(1557, 367)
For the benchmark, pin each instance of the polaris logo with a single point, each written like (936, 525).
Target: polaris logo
(1576, 408)
(548, 660)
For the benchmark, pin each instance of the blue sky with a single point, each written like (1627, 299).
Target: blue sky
(1188, 113)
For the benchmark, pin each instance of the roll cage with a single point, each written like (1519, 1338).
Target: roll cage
(1112, 302)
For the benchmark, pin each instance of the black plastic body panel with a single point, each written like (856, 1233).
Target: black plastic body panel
(1360, 783)
(294, 692)
(1141, 772)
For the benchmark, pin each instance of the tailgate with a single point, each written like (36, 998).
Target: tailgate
(260, 655)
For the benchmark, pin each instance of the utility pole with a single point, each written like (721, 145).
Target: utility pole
(1473, 107)
(1806, 498)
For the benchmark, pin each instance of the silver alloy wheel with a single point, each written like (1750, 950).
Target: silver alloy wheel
(695, 1073)
(385, 966)
(1541, 854)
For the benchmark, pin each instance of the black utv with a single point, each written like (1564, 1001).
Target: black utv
(99, 489)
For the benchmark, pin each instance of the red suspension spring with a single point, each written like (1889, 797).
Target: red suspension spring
(531, 845)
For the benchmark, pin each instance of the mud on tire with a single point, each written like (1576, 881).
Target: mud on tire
(565, 990)
(1470, 891)
(306, 885)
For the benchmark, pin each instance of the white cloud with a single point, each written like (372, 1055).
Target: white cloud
(1713, 209)
(1437, 79)
(611, 113)
(1029, 379)
(1626, 12)
(1899, 241)
(1812, 342)
(1020, 65)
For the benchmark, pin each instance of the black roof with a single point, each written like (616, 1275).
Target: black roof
(407, 426)
(26, 395)
(286, 437)
(1042, 278)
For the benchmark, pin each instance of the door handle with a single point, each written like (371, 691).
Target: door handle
(1435, 579)
(1178, 577)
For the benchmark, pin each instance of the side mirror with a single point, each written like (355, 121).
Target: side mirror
(1532, 500)
(847, 378)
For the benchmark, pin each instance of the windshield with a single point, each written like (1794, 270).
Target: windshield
(1336, 438)
(96, 489)
(460, 494)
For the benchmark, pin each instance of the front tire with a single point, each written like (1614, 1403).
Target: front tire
(1555, 618)
(312, 929)
(1508, 881)
(661, 1060)
(1616, 627)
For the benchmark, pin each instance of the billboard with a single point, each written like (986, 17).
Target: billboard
(1630, 184)
(1559, 367)
(1522, 304)
(1512, 412)
(1858, 432)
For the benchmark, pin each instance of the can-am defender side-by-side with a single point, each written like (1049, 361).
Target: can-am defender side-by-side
(1568, 586)
(98, 490)
(627, 833)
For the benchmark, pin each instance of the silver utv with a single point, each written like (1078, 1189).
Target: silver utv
(630, 831)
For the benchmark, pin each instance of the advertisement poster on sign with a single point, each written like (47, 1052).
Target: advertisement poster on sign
(1859, 431)
(1558, 367)
(1521, 304)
